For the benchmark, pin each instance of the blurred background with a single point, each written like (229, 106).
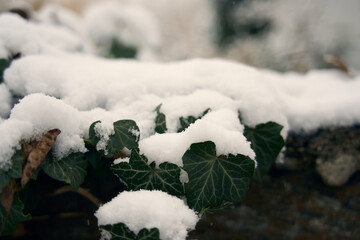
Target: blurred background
(296, 35)
(292, 202)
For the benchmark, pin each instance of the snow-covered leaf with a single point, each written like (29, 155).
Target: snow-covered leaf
(138, 174)
(8, 222)
(126, 135)
(120, 231)
(71, 170)
(93, 138)
(267, 143)
(16, 168)
(214, 179)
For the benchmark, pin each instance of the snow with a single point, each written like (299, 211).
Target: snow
(129, 24)
(111, 90)
(149, 209)
(222, 127)
(62, 84)
(19, 36)
(301, 33)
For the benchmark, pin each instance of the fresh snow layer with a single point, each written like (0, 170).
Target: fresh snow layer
(19, 36)
(149, 209)
(70, 91)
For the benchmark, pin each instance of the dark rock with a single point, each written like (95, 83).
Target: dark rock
(293, 201)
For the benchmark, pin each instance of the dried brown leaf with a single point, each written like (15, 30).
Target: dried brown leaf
(38, 154)
(336, 62)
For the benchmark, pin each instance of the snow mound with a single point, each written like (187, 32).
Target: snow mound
(149, 209)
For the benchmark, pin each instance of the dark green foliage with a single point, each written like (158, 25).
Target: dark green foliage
(214, 179)
(138, 174)
(4, 64)
(267, 143)
(4, 180)
(16, 169)
(121, 232)
(93, 138)
(126, 134)
(14, 172)
(119, 50)
(71, 170)
(8, 222)
(160, 121)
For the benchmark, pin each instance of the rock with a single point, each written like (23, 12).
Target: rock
(336, 171)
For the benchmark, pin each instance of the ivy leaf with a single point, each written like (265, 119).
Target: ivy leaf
(126, 134)
(160, 121)
(145, 234)
(93, 138)
(8, 222)
(71, 170)
(4, 180)
(213, 179)
(185, 122)
(267, 143)
(137, 174)
(4, 64)
(16, 168)
(120, 231)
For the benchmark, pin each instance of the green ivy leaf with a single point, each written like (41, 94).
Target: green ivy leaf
(138, 174)
(185, 122)
(119, 50)
(120, 231)
(8, 223)
(71, 170)
(93, 138)
(126, 135)
(4, 64)
(160, 121)
(16, 168)
(267, 143)
(145, 234)
(4, 180)
(213, 179)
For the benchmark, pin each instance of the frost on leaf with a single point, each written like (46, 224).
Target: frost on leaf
(138, 174)
(38, 153)
(93, 137)
(214, 180)
(160, 121)
(121, 231)
(123, 136)
(71, 170)
(267, 143)
(126, 135)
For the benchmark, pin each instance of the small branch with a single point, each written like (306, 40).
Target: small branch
(86, 193)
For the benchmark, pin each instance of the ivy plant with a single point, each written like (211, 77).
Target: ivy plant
(214, 180)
